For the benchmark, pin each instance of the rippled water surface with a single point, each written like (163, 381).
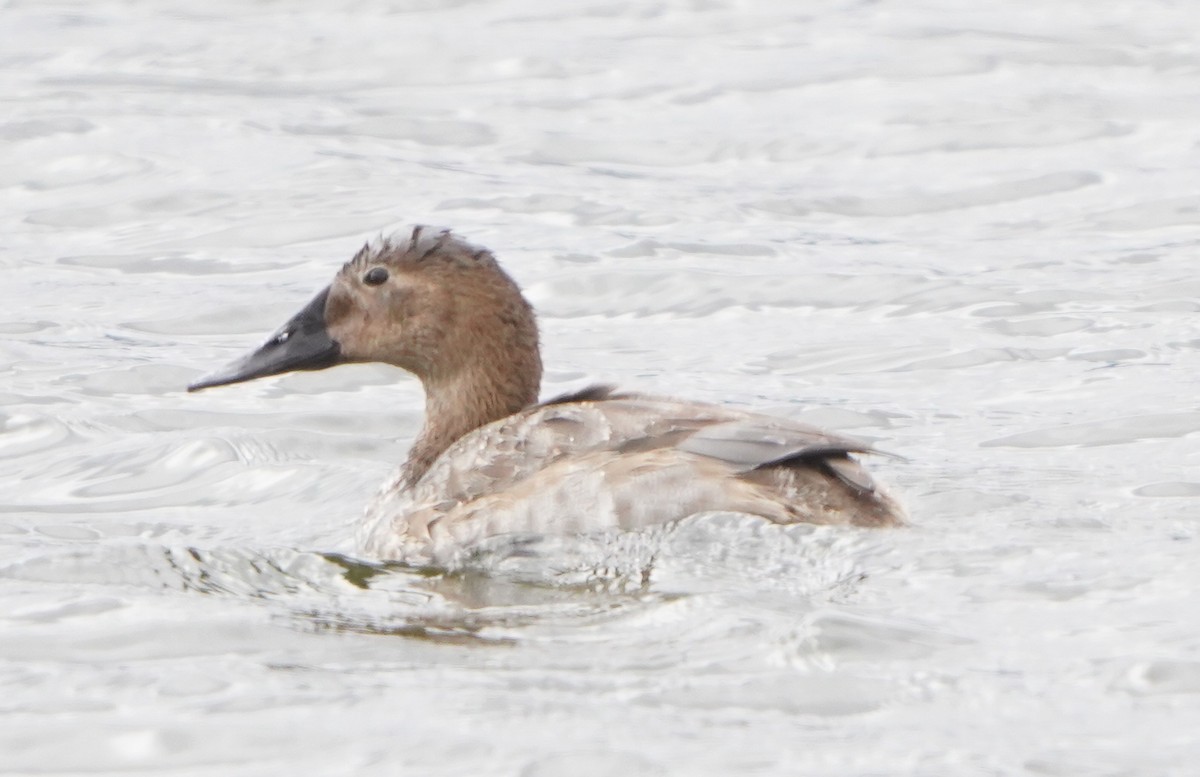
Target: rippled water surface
(969, 232)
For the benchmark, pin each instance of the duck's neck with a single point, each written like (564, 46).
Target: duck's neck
(458, 404)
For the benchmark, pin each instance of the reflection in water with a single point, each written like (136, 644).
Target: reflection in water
(506, 585)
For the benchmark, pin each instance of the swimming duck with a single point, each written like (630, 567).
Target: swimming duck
(492, 460)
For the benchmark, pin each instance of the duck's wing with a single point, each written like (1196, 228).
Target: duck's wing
(500, 455)
(760, 441)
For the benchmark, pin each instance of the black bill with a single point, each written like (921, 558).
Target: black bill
(303, 343)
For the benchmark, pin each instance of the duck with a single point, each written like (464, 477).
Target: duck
(492, 460)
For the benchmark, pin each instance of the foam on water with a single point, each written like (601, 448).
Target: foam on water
(968, 233)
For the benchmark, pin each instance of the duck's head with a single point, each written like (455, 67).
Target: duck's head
(423, 300)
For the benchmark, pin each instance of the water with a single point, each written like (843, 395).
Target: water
(966, 232)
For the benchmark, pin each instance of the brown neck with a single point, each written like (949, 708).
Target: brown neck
(474, 396)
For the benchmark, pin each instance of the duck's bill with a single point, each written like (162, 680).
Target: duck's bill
(303, 343)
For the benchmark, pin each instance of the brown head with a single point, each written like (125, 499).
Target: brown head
(430, 303)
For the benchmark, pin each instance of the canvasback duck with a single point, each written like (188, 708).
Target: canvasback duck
(492, 460)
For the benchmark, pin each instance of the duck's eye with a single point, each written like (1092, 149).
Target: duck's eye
(375, 276)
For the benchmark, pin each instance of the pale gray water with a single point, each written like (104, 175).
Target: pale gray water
(966, 231)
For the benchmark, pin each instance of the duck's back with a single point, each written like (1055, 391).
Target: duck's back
(601, 460)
